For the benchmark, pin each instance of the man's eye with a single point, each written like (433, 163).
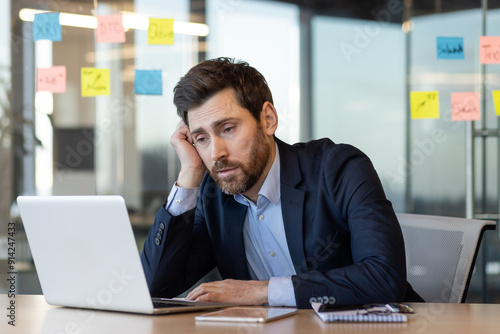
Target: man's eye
(229, 129)
(201, 140)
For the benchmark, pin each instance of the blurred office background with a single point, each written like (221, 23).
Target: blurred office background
(339, 69)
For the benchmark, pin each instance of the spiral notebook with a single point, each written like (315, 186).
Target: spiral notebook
(373, 314)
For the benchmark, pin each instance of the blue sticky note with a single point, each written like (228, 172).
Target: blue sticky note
(450, 48)
(148, 82)
(47, 26)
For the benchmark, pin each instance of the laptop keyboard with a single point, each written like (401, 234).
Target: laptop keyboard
(163, 304)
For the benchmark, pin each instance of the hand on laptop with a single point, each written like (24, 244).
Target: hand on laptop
(231, 291)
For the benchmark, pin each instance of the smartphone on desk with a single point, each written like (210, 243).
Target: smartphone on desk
(248, 314)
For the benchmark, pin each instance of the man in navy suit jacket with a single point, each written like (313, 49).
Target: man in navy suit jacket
(329, 234)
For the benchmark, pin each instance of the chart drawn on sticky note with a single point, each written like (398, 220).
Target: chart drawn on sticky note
(424, 104)
(450, 48)
(161, 31)
(95, 81)
(47, 26)
(110, 29)
(52, 79)
(465, 106)
(148, 82)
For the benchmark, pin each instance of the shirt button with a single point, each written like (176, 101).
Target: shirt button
(272, 254)
(245, 200)
(178, 201)
(261, 217)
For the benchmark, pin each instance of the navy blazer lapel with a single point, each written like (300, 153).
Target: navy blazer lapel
(292, 204)
(234, 217)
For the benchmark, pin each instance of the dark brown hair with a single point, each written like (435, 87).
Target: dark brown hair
(212, 76)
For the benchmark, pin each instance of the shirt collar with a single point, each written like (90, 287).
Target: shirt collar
(271, 187)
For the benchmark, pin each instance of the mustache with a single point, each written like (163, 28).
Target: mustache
(223, 164)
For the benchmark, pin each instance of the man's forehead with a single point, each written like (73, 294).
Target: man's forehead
(221, 102)
(209, 117)
(217, 110)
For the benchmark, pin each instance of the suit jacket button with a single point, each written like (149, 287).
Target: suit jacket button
(158, 236)
(162, 226)
(157, 242)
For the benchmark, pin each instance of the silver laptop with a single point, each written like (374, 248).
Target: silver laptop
(86, 255)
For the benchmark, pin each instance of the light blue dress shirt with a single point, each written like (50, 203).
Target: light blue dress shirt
(266, 248)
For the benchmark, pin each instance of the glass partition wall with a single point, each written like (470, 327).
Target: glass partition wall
(364, 72)
(341, 71)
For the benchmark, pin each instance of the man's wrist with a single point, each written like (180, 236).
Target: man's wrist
(190, 178)
(264, 292)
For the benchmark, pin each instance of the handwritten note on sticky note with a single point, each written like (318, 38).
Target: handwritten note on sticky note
(52, 79)
(47, 26)
(496, 101)
(110, 29)
(465, 106)
(148, 82)
(424, 104)
(95, 81)
(489, 49)
(161, 31)
(450, 47)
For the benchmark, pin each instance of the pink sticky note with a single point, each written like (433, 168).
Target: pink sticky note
(110, 29)
(489, 49)
(465, 106)
(52, 79)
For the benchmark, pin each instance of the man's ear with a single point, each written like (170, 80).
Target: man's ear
(269, 118)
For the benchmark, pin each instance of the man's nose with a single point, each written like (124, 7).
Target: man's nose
(219, 149)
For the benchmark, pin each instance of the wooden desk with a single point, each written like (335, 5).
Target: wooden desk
(34, 315)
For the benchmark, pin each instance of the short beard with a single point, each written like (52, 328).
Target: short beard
(257, 161)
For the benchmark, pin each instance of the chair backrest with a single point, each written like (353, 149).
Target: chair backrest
(440, 254)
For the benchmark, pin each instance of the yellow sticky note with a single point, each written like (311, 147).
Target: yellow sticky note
(95, 81)
(161, 31)
(424, 104)
(496, 101)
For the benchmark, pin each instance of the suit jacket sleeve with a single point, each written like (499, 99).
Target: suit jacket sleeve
(353, 242)
(177, 253)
